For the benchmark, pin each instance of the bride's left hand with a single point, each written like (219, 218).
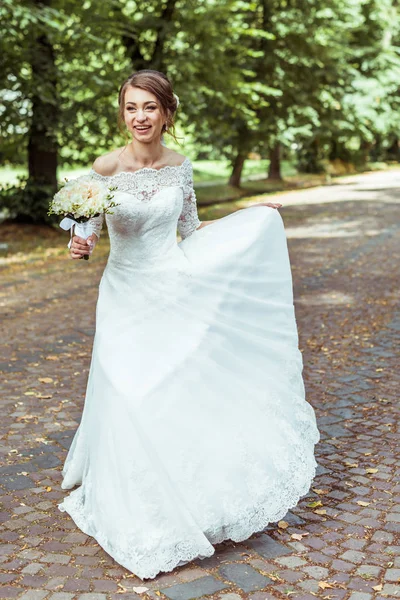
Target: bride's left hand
(270, 204)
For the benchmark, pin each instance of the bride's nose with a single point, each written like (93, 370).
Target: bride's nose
(140, 116)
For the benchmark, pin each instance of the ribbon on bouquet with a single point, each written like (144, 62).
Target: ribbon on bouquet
(83, 229)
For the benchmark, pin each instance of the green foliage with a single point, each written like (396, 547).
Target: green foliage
(316, 77)
(27, 202)
(364, 110)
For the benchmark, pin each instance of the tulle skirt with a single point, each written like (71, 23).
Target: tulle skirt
(195, 427)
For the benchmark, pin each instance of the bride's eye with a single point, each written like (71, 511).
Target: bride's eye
(151, 107)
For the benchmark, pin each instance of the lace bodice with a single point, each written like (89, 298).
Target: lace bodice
(144, 183)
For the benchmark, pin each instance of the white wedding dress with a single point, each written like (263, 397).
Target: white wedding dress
(195, 427)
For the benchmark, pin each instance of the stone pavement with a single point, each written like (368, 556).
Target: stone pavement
(342, 541)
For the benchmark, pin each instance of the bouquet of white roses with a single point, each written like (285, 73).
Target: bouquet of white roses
(79, 200)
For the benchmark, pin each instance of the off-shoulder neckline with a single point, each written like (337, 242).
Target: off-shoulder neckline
(166, 167)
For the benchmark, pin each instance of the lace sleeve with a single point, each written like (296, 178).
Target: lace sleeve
(188, 220)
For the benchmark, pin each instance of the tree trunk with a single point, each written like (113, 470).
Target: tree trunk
(339, 151)
(365, 148)
(133, 52)
(132, 46)
(237, 169)
(309, 158)
(42, 140)
(334, 151)
(157, 59)
(274, 171)
(393, 151)
(376, 149)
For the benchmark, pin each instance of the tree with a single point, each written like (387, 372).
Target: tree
(42, 139)
(49, 78)
(252, 75)
(362, 113)
(277, 58)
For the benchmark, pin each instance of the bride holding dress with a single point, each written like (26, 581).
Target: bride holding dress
(195, 427)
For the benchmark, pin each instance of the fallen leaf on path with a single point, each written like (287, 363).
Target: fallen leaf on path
(315, 504)
(140, 590)
(320, 492)
(320, 511)
(26, 417)
(378, 587)
(123, 589)
(351, 465)
(45, 379)
(371, 470)
(298, 536)
(325, 585)
(283, 524)
(272, 576)
(362, 503)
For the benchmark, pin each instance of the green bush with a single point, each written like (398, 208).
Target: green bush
(27, 203)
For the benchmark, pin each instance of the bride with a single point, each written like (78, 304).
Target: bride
(195, 427)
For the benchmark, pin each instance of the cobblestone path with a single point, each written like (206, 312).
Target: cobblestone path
(342, 541)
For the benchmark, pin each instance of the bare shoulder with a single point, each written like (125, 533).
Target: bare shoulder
(174, 159)
(107, 164)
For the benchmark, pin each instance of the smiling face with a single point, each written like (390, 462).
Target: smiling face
(143, 115)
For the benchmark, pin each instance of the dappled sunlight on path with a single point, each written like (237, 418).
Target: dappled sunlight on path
(343, 537)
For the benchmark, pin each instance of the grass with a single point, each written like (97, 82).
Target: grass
(218, 171)
(205, 171)
(210, 177)
(22, 243)
(221, 192)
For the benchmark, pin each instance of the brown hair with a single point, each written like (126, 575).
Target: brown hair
(158, 84)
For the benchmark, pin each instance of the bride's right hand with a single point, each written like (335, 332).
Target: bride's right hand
(80, 246)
